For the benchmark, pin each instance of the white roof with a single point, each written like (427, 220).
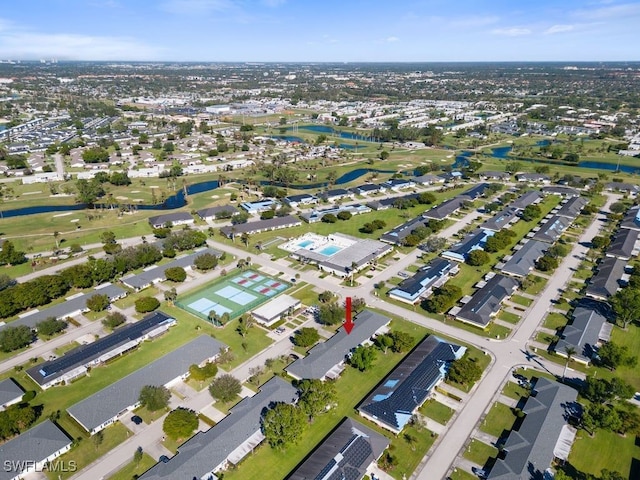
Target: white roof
(276, 307)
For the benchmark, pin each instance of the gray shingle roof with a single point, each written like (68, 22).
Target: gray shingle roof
(323, 357)
(203, 452)
(48, 371)
(501, 219)
(523, 260)
(623, 244)
(408, 385)
(572, 208)
(9, 391)
(526, 199)
(606, 282)
(558, 190)
(631, 219)
(486, 301)
(582, 334)
(155, 274)
(35, 444)
(104, 405)
(424, 278)
(446, 208)
(552, 230)
(68, 307)
(251, 227)
(161, 220)
(211, 212)
(345, 454)
(530, 449)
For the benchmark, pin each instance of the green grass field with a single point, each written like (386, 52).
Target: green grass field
(437, 411)
(499, 419)
(129, 470)
(606, 450)
(479, 452)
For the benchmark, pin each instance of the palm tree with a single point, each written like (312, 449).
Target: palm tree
(55, 236)
(570, 352)
(354, 265)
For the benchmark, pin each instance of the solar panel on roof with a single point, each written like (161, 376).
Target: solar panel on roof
(358, 452)
(348, 443)
(326, 470)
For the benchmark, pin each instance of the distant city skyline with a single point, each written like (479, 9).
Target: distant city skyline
(326, 31)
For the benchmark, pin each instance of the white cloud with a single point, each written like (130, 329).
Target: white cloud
(23, 44)
(512, 31)
(196, 7)
(392, 39)
(559, 29)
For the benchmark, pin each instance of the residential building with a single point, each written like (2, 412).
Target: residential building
(392, 404)
(32, 450)
(523, 261)
(428, 179)
(572, 207)
(623, 245)
(260, 205)
(398, 234)
(587, 331)
(258, 226)
(629, 188)
(105, 406)
(368, 189)
(504, 218)
(77, 362)
(543, 436)
(156, 273)
(493, 175)
(10, 393)
(533, 178)
(71, 307)
(316, 215)
(424, 281)
(272, 311)
(607, 281)
(176, 218)
(226, 443)
(397, 184)
(560, 190)
(327, 359)
(221, 211)
(486, 302)
(631, 219)
(477, 191)
(446, 208)
(528, 198)
(337, 194)
(551, 230)
(347, 453)
(295, 201)
(475, 240)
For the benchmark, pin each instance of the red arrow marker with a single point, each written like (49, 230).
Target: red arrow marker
(348, 323)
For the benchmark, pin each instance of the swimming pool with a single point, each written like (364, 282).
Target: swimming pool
(305, 243)
(330, 250)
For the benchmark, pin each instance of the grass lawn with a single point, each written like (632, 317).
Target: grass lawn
(479, 452)
(508, 317)
(65, 348)
(224, 407)
(606, 450)
(521, 300)
(537, 284)
(351, 388)
(544, 337)
(499, 419)
(515, 391)
(129, 470)
(437, 411)
(87, 452)
(631, 339)
(555, 320)
(305, 293)
(459, 474)
(148, 416)
(130, 299)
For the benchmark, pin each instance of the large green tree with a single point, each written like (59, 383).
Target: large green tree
(363, 357)
(305, 337)
(626, 305)
(283, 424)
(154, 398)
(180, 423)
(225, 388)
(316, 396)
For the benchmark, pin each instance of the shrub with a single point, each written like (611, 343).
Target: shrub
(147, 304)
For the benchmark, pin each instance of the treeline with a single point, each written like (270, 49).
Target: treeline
(43, 290)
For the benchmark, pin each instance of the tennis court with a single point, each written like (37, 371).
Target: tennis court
(234, 295)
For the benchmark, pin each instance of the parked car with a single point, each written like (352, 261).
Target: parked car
(136, 419)
(479, 472)
(163, 459)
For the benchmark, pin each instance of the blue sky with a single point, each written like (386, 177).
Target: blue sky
(321, 30)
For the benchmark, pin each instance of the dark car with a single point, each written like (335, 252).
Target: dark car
(163, 459)
(136, 419)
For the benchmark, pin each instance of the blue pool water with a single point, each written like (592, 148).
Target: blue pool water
(330, 250)
(305, 243)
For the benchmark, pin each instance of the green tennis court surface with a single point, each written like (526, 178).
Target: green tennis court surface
(235, 295)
